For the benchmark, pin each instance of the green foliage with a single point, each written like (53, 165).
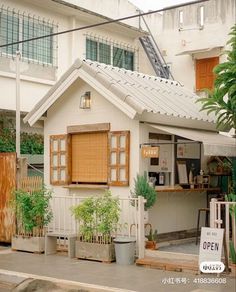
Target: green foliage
(142, 188)
(232, 198)
(222, 100)
(97, 216)
(232, 252)
(32, 209)
(152, 235)
(31, 143)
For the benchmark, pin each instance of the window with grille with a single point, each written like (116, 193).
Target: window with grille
(100, 157)
(108, 53)
(15, 27)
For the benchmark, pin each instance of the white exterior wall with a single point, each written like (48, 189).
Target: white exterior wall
(220, 16)
(173, 211)
(66, 112)
(113, 8)
(37, 79)
(177, 211)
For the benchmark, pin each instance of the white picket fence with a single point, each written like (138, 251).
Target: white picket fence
(220, 218)
(131, 218)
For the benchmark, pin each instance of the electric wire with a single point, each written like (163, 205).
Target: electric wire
(103, 23)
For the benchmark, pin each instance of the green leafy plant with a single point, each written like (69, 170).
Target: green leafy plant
(142, 188)
(98, 217)
(232, 198)
(32, 209)
(222, 99)
(152, 236)
(232, 252)
(31, 143)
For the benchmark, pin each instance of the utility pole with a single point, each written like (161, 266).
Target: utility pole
(18, 56)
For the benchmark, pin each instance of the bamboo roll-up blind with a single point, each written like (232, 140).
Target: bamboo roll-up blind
(90, 157)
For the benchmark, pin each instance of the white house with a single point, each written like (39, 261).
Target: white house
(97, 118)
(43, 61)
(193, 38)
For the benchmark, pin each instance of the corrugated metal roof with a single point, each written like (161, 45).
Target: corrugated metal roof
(130, 91)
(151, 93)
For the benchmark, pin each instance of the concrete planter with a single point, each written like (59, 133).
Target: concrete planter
(32, 244)
(95, 251)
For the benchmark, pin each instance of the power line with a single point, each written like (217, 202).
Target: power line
(102, 23)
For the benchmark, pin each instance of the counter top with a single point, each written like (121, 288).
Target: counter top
(178, 188)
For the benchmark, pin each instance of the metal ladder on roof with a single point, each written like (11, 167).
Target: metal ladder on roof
(154, 54)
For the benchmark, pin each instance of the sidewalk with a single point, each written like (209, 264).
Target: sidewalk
(86, 274)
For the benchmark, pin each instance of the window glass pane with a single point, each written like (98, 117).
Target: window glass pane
(41, 49)
(129, 60)
(54, 175)
(113, 174)
(54, 160)
(113, 142)
(91, 50)
(122, 141)
(122, 158)
(63, 174)
(55, 145)
(63, 145)
(113, 158)
(118, 56)
(9, 32)
(63, 160)
(122, 174)
(104, 53)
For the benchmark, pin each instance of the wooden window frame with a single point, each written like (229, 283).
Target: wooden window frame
(58, 153)
(118, 150)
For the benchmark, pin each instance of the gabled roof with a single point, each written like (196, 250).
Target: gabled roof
(132, 92)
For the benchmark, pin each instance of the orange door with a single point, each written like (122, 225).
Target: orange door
(204, 73)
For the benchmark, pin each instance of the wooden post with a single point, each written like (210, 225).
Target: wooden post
(226, 254)
(21, 170)
(141, 235)
(212, 212)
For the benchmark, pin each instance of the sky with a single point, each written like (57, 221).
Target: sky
(146, 5)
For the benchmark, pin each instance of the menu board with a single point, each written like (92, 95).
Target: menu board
(188, 150)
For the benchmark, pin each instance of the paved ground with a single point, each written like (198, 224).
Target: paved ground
(187, 248)
(109, 275)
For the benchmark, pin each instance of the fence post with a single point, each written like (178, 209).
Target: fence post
(212, 212)
(141, 235)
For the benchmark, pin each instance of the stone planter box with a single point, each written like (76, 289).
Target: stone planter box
(30, 244)
(95, 251)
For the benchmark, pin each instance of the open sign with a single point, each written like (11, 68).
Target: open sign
(210, 245)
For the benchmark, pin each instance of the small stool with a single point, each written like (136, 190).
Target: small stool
(207, 210)
(51, 243)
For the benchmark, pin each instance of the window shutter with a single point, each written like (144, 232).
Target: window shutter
(89, 157)
(60, 159)
(119, 158)
(204, 73)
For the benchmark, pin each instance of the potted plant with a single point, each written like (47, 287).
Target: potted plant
(33, 213)
(142, 188)
(98, 218)
(151, 239)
